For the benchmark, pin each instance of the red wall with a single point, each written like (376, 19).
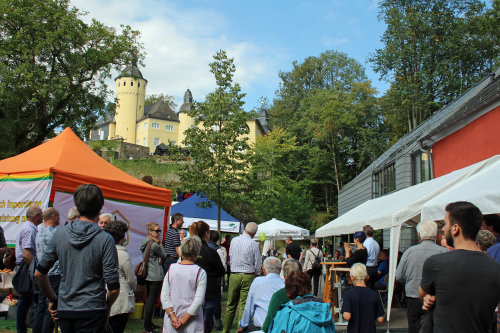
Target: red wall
(473, 143)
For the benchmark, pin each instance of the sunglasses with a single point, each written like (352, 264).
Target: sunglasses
(159, 230)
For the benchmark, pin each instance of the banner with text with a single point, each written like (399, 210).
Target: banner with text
(17, 194)
(135, 215)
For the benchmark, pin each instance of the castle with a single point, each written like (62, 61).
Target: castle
(155, 124)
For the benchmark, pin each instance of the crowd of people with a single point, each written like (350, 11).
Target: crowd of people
(85, 281)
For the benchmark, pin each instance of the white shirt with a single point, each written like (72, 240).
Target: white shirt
(244, 254)
(373, 250)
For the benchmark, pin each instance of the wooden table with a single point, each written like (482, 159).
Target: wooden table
(328, 280)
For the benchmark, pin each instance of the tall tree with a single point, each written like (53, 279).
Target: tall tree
(53, 68)
(433, 51)
(167, 99)
(329, 105)
(217, 143)
(273, 189)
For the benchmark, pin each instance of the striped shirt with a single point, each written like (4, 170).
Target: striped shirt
(245, 255)
(172, 241)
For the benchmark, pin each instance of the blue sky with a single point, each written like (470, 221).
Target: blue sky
(264, 38)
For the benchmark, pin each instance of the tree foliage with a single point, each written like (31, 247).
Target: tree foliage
(329, 106)
(167, 99)
(218, 141)
(53, 68)
(434, 50)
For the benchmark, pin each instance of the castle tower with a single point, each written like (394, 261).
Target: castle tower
(185, 121)
(130, 88)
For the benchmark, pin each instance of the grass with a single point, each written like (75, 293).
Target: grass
(164, 174)
(133, 325)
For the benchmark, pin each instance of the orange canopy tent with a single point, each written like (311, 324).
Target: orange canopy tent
(72, 163)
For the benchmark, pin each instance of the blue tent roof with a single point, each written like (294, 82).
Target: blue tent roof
(188, 208)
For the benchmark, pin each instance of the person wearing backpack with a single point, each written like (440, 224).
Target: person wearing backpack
(312, 264)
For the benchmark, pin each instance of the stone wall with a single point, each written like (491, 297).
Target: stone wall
(121, 150)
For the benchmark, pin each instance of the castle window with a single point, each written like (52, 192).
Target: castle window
(169, 128)
(118, 83)
(144, 141)
(139, 84)
(131, 83)
(155, 125)
(138, 127)
(124, 83)
(157, 141)
(145, 125)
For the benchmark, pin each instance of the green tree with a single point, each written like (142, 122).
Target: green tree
(434, 50)
(273, 190)
(217, 143)
(53, 68)
(329, 105)
(167, 99)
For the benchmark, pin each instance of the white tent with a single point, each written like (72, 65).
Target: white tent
(276, 229)
(482, 189)
(394, 209)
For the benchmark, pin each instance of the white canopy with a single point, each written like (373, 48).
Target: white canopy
(482, 189)
(277, 229)
(392, 210)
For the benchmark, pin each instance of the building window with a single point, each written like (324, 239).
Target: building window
(124, 83)
(169, 128)
(145, 125)
(118, 83)
(384, 181)
(155, 125)
(139, 84)
(138, 127)
(131, 83)
(144, 141)
(157, 141)
(137, 141)
(420, 168)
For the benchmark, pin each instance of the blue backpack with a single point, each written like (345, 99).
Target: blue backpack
(303, 314)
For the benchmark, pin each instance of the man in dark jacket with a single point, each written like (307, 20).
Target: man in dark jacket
(89, 265)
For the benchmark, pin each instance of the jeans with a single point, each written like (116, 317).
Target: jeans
(22, 312)
(84, 325)
(42, 321)
(166, 264)
(154, 289)
(208, 314)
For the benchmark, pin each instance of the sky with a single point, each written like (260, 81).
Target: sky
(264, 38)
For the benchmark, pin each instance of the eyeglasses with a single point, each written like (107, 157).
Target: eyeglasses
(159, 230)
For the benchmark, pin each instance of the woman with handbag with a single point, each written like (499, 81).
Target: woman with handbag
(313, 255)
(154, 278)
(125, 303)
(183, 292)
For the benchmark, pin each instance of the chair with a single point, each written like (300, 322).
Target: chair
(384, 291)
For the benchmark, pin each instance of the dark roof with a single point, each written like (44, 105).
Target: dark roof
(131, 70)
(109, 117)
(159, 110)
(188, 100)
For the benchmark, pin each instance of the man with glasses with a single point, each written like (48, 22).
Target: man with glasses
(172, 241)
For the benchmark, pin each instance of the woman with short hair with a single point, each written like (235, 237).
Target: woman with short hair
(361, 254)
(183, 291)
(125, 303)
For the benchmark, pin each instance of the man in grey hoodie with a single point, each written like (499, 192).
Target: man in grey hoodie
(89, 264)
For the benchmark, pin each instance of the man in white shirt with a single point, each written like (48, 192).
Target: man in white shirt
(245, 262)
(373, 250)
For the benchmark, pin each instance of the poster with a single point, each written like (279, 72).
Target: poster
(17, 194)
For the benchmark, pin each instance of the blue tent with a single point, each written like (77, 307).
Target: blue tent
(193, 213)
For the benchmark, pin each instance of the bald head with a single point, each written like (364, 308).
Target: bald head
(51, 217)
(251, 228)
(34, 214)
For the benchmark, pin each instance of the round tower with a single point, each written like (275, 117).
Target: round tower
(185, 121)
(130, 88)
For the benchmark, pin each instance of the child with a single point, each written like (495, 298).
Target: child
(362, 306)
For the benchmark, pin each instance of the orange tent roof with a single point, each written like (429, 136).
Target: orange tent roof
(73, 163)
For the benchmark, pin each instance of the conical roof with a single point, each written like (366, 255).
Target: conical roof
(131, 70)
(188, 100)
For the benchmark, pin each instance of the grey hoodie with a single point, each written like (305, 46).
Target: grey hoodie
(89, 262)
(155, 270)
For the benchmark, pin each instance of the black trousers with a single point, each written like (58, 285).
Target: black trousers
(414, 312)
(84, 325)
(315, 279)
(154, 289)
(118, 322)
(373, 276)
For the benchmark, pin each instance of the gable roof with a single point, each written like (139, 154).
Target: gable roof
(159, 110)
(73, 163)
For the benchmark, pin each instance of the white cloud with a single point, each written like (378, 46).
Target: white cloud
(180, 43)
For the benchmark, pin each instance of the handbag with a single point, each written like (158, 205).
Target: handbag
(22, 280)
(141, 270)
